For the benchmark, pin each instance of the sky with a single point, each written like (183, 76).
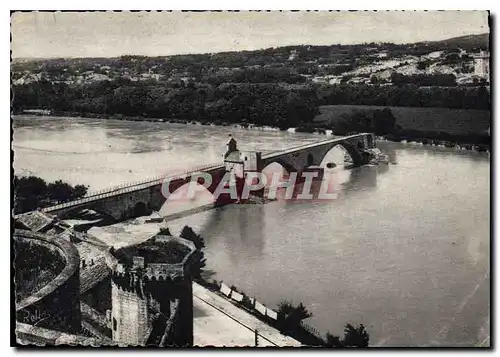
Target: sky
(111, 34)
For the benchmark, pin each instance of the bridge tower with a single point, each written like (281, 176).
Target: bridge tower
(241, 164)
(232, 157)
(252, 162)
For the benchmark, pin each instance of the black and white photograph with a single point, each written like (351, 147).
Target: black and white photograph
(251, 179)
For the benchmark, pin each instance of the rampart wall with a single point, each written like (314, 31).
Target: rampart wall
(56, 305)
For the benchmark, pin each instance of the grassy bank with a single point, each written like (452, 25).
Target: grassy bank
(468, 129)
(451, 121)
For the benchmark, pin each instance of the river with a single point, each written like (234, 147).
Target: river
(404, 249)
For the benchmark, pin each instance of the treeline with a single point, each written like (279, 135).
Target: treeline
(405, 96)
(257, 103)
(383, 123)
(33, 192)
(424, 80)
(255, 75)
(379, 122)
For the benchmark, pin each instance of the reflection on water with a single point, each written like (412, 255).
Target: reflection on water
(404, 249)
(363, 178)
(240, 231)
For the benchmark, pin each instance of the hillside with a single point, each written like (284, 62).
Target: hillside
(470, 42)
(282, 87)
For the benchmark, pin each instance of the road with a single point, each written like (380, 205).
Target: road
(217, 322)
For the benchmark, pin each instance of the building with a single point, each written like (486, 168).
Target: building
(482, 64)
(240, 163)
(151, 293)
(294, 54)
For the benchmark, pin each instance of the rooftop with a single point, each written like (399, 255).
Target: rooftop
(157, 250)
(36, 221)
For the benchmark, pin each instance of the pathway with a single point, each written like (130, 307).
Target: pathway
(218, 322)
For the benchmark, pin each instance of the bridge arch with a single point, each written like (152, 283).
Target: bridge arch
(351, 150)
(140, 209)
(181, 199)
(310, 160)
(287, 166)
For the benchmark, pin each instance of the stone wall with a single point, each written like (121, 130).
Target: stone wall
(183, 327)
(99, 297)
(56, 305)
(131, 318)
(29, 334)
(121, 206)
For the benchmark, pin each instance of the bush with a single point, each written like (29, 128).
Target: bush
(290, 316)
(199, 242)
(304, 129)
(33, 192)
(380, 122)
(353, 337)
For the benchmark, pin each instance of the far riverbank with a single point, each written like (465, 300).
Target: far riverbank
(451, 138)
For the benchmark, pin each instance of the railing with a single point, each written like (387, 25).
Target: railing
(312, 330)
(149, 180)
(130, 187)
(317, 143)
(236, 320)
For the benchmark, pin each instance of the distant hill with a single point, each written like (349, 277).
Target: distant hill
(471, 43)
(481, 41)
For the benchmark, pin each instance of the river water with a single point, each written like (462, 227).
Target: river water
(404, 249)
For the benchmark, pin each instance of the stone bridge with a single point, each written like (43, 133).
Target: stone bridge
(139, 199)
(300, 158)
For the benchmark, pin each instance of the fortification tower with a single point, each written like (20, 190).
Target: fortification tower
(482, 65)
(152, 296)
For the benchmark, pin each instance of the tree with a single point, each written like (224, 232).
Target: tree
(165, 231)
(353, 337)
(422, 65)
(33, 192)
(30, 186)
(188, 233)
(333, 341)
(79, 191)
(28, 192)
(59, 191)
(290, 316)
(199, 242)
(383, 122)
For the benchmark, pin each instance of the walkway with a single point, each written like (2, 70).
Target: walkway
(218, 322)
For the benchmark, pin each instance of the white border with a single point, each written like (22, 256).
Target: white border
(186, 5)
(254, 5)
